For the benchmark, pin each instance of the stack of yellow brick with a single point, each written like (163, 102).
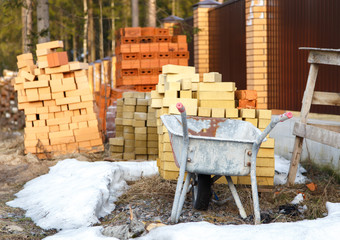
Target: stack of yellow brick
(57, 102)
(136, 131)
(210, 98)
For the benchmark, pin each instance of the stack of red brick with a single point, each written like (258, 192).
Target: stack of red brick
(57, 102)
(141, 53)
(246, 98)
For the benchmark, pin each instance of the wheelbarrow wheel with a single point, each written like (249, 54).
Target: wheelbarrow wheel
(201, 191)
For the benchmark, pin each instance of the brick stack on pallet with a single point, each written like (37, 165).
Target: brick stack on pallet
(210, 98)
(57, 102)
(136, 129)
(141, 53)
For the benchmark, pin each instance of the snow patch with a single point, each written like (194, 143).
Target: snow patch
(282, 170)
(322, 228)
(75, 194)
(85, 233)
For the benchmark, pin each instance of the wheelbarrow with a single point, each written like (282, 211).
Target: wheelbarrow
(214, 146)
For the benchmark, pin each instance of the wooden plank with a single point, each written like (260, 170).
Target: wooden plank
(327, 127)
(320, 135)
(326, 98)
(324, 57)
(306, 104)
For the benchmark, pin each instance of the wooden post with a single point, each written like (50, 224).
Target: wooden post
(306, 104)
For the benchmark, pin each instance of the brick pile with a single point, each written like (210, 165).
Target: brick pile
(10, 116)
(246, 98)
(57, 102)
(136, 128)
(141, 52)
(210, 98)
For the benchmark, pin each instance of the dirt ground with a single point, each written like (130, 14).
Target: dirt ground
(151, 199)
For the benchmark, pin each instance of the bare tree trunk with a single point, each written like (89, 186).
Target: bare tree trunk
(152, 13)
(86, 23)
(26, 19)
(173, 8)
(91, 39)
(101, 40)
(113, 27)
(43, 21)
(74, 41)
(135, 13)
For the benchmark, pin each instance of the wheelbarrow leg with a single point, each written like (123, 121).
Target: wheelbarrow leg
(183, 194)
(255, 149)
(178, 194)
(176, 209)
(236, 197)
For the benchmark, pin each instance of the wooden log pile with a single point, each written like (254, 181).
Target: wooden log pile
(10, 116)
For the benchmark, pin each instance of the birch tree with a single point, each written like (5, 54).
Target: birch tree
(152, 13)
(43, 21)
(135, 13)
(86, 22)
(101, 40)
(27, 21)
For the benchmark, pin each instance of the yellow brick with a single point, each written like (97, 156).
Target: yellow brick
(263, 123)
(174, 86)
(266, 152)
(185, 101)
(270, 143)
(186, 94)
(171, 94)
(265, 162)
(231, 113)
(204, 112)
(263, 113)
(191, 109)
(261, 181)
(251, 120)
(212, 77)
(247, 113)
(217, 112)
(215, 95)
(217, 86)
(217, 103)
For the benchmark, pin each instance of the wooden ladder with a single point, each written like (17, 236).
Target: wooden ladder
(329, 135)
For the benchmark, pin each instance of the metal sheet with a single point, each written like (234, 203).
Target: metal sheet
(217, 146)
(293, 24)
(227, 42)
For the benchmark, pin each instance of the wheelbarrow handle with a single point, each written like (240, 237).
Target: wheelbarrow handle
(285, 116)
(180, 107)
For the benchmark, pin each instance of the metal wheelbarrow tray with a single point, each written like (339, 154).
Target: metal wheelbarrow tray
(214, 146)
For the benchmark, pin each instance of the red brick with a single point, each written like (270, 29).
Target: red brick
(182, 47)
(161, 32)
(181, 54)
(127, 40)
(179, 39)
(243, 103)
(163, 47)
(132, 32)
(147, 55)
(130, 56)
(125, 48)
(148, 31)
(145, 47)
(246, 94)
(154, 47)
